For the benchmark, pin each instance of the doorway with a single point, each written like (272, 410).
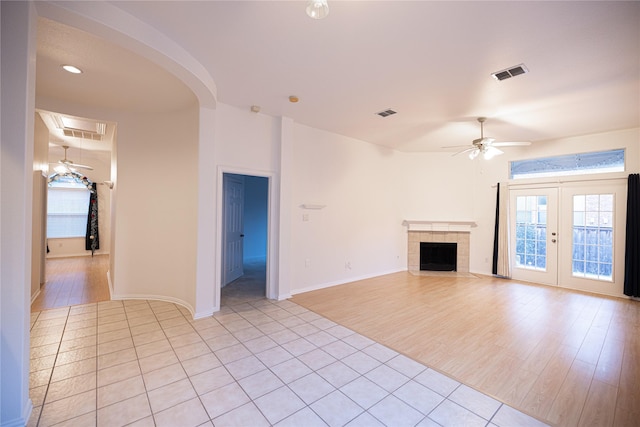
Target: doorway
(570, 235)
(245, 223)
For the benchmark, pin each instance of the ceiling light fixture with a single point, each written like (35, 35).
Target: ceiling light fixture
(72, 69)
(317, 9)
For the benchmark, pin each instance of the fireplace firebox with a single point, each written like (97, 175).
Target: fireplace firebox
(438, 256)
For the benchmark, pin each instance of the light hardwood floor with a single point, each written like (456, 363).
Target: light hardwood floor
(565, 357)
(72, 281)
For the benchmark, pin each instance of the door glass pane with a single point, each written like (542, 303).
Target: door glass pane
(531, 232)
(593, 236)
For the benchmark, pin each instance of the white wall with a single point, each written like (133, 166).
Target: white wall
(40, 166)
(250, 144)
(246, 141)
(156, 212)
(16, 176)
(359, 232)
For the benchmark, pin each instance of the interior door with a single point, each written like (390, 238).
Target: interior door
(592, 252)
(534, 235)
(233, 234)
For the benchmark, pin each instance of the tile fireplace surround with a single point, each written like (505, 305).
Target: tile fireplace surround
(431, 231)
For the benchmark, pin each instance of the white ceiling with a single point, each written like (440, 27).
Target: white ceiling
(429, 61)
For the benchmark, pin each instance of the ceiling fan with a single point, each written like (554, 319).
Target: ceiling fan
(487, 146)
(70, 164)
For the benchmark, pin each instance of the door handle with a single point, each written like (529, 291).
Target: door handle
(553, 240)
(242, 235)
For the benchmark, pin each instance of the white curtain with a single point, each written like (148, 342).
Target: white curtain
(504, 242)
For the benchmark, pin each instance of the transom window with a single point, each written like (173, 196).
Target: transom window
(570, 164)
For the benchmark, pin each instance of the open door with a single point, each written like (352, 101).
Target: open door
(233, 228)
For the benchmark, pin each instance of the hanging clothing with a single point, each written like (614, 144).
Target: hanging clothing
(92, 238)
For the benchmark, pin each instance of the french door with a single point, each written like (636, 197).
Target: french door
(595, 220)
(534, 235)
(570, 235)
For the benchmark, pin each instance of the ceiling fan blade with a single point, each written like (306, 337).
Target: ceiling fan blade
(465, 151)
(70, 164)
(491, 152)
(510, 144)
(457, 146)
(75, 165)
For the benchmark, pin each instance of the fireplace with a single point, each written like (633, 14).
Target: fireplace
(437, 256)
(456, 232)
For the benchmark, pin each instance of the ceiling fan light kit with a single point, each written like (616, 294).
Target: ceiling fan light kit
(487, 146)
(317, 9)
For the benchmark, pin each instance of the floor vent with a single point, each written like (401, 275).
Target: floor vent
(510, 72)
(386, 113)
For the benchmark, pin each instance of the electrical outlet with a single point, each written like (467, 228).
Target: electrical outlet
(307, 263)
(305, 217)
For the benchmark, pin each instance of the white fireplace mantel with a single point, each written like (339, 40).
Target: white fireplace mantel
(459, 226)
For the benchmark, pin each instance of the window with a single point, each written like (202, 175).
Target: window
(570, 164)
(531, 232)
(593, 236)
(67, 209)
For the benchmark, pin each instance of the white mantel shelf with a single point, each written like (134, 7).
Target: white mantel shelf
(459, 226)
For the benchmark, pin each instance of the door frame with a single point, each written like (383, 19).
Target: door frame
(272, 284)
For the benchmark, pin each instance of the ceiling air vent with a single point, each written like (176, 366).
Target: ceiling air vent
(386, 113)
(82, 134)
(80, 128)
(510, 72)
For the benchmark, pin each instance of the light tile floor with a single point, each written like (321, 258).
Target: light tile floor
(257, 363)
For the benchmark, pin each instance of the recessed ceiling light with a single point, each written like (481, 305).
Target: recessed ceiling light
(72, 69)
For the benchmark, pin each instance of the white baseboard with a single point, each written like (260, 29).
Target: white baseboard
(22, 421)
(204, 314)
(73, 255)
(155, 298)
(110, 285)
(34, 296)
